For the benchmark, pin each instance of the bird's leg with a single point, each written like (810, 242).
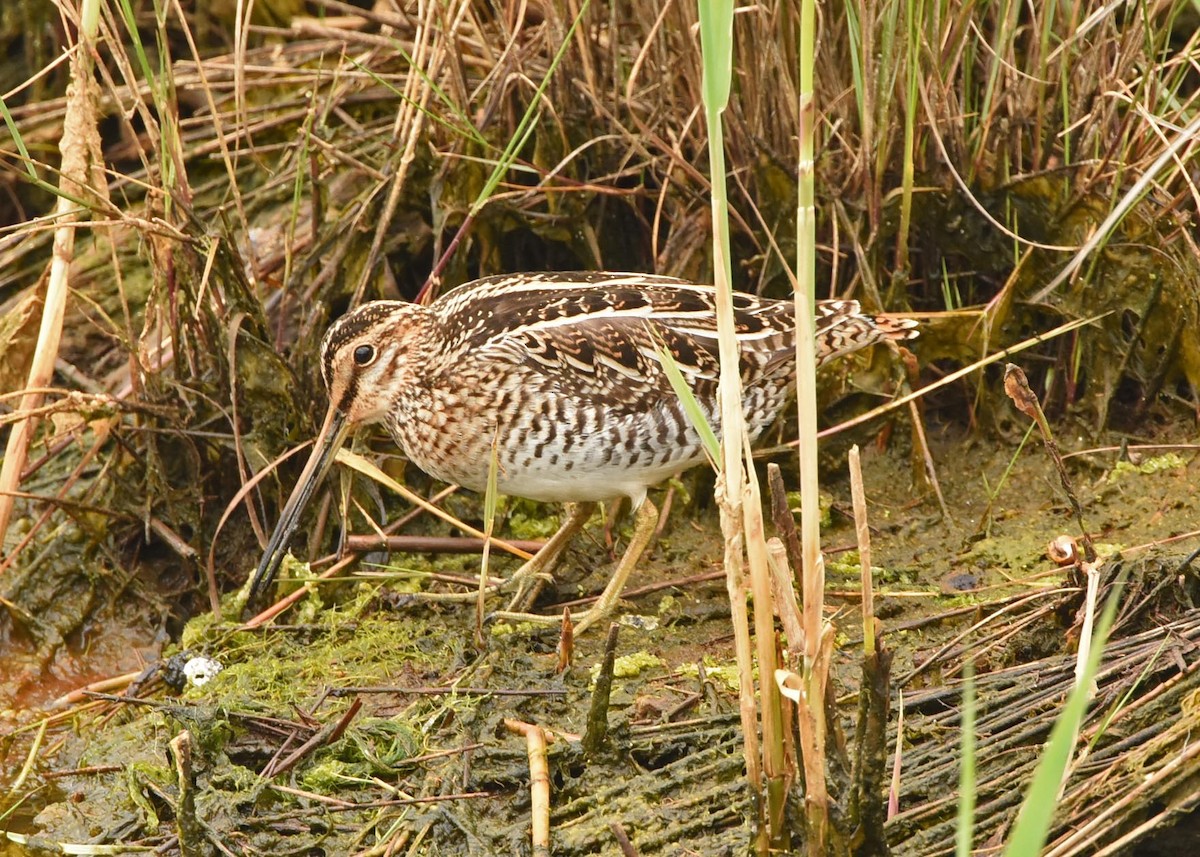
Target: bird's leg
(643, 530)
(644, 523)
(537, 568)
(546, 559)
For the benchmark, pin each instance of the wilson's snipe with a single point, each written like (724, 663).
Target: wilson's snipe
(562, 373)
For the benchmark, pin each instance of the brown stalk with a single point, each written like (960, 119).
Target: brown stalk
(539, 784)
(628, 849)
(597, 720)
(862, 532)
(865, 809)
(327, 734)
(566, 642)
(784, 521)
(893, 803)
(78, 695)
(1016, 385)
(432, 544)
(919, 438)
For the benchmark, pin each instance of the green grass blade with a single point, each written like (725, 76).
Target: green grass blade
(1032, 827)
(716, 45)
(15, 133)
(528, 121)
(964, 833)
(463, 128)
(691, 407)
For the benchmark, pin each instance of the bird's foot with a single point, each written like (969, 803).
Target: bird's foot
(580, 622)
(529, 578)
(647, 519)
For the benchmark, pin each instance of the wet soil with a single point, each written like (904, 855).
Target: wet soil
(406, 715)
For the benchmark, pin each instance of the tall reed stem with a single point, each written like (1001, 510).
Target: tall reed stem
(737, 490)
(816, 630)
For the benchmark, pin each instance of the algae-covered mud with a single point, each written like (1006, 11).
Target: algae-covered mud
(365, 719)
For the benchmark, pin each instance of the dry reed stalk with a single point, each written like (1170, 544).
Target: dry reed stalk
(81, 184)
(862, 533)
(818, 633)
(735, 584)
(716, 33)
(865, 813)
(432, 44)
(18, 782)
(81, 694)
(930, 469)
(893, 800)
(539, 784)
(775, 768)
(783, 582)
(566, 643)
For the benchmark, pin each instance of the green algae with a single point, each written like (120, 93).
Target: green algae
(311, 666)
(721, 672)
(528, 520)
(631, 665)
(1148, 466)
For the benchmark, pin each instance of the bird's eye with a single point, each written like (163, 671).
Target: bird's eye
(364, 354)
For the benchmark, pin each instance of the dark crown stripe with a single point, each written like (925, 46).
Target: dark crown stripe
(350, 327)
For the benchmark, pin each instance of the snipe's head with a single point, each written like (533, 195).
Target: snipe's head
(370, 358)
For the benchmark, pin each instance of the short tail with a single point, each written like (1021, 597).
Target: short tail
(896, 329)
(842, 329)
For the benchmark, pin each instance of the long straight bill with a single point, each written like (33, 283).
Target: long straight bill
(325, 447)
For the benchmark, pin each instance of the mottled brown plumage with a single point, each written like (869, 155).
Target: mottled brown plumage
(562, 372)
